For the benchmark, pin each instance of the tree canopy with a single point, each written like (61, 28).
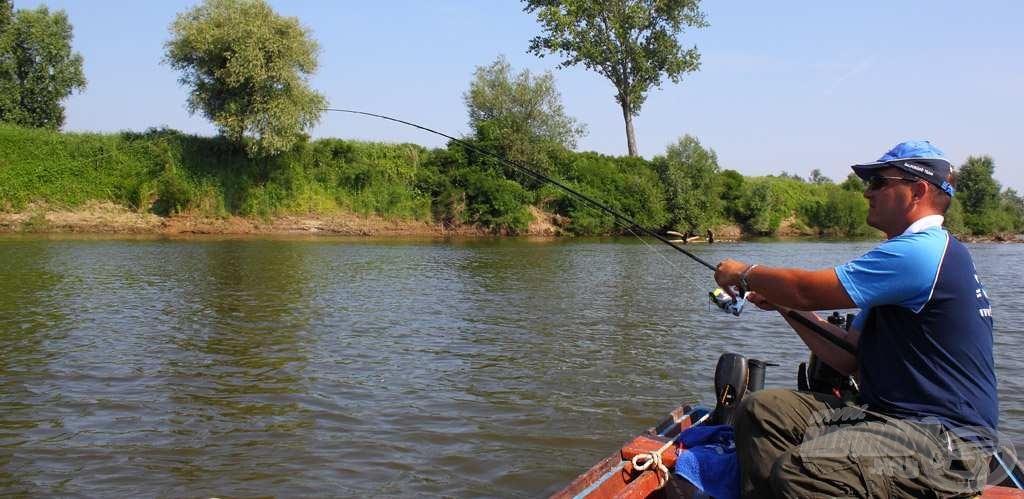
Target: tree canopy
(38, 69)
(987, 209)
(247, 67)
(519, 114)
(633, 43)
(690, 174)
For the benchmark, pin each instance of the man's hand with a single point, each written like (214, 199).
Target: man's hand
(761, 302)
(727, 274)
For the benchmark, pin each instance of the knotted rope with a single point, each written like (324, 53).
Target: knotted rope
(652, 461)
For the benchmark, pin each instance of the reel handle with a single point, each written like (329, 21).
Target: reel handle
(728, 304)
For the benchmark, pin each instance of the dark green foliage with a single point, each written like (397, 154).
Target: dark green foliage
(690, 176)
(836, 211)
(38, 70)
(987, 209)
(732, 187)
(1012, 205)
(468, 188)
(977, 189)
(984, 210)
(628, 185)
(493, 201)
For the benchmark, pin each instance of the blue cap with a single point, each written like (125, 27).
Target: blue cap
(916, 157)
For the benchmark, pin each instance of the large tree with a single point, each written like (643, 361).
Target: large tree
(38, 69)
(633, 43)
(519, 114)
(248, 67)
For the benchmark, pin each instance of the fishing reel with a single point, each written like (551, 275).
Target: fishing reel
(727, 303)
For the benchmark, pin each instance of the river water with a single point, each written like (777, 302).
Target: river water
(343, 367)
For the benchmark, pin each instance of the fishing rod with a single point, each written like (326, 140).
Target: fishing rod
(721, 299)
(539, 176)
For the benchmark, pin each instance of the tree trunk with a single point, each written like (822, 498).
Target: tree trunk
(627, 114)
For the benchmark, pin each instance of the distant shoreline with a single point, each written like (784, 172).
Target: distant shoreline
(100, 218)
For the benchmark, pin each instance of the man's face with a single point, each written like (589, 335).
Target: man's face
(890, 201)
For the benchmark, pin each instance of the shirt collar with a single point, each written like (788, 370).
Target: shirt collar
(924, 223)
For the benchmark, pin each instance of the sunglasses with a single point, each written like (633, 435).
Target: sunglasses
(876, 182)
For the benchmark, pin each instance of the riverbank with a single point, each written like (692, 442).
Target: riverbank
(103, 217)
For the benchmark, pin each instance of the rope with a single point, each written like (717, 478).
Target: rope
(652, 461)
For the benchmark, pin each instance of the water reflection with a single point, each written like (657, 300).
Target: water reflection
(29, 323)
(237, 379)
(367, 367)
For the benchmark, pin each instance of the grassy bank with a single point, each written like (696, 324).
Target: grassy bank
(166, 172)
(324, 183)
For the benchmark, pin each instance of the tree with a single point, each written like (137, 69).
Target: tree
(690, 174)
(247, 68)
(839, 211)
(978, 190)
(979, 194)
(852, 183)
(818, 178)
(519, 114)
(791, 176)
(1013, 206)
(633, 43)
(762, 207)
(732, 187)
(38, 70)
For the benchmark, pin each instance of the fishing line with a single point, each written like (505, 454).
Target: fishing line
(544, 178)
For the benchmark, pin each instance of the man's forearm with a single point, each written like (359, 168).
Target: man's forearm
(799, 289)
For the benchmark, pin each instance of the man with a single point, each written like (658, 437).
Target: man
(921, 350)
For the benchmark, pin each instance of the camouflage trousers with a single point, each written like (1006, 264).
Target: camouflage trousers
(798, 444)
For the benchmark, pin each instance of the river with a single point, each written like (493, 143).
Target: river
(345, 367)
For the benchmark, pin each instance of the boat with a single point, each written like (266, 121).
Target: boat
(633, 471)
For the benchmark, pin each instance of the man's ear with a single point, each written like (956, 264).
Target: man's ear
(919, 189)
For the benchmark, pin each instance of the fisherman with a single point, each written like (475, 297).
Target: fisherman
(923, 343)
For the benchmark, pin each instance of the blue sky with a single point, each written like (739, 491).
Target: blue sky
(783, 85)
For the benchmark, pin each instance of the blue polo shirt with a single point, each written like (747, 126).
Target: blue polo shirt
(925, 348)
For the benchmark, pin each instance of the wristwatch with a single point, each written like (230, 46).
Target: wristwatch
(743, 277)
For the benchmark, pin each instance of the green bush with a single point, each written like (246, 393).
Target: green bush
(835, 211)
(628, 185)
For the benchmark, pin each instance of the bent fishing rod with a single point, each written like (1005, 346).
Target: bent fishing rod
(718, 297)
(539, 176)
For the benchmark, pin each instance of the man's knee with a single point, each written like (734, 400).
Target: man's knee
(762, 405)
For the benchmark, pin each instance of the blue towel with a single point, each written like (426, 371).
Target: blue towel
(709, 460)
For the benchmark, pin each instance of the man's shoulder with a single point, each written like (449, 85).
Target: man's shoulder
(917, 244)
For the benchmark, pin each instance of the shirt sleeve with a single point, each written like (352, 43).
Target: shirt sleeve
(900, 271)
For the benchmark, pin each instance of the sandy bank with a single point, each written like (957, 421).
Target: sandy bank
(110, 218)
